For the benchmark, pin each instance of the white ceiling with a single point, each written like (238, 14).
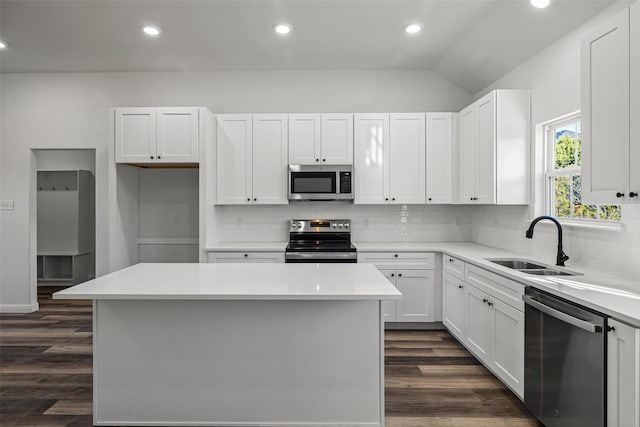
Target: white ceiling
(471, 42)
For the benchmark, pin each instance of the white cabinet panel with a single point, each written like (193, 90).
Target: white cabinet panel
(234, 168)
(605, 111)
(479, 324)
(270, 150)
(389, 306)
(177, 137)
(623, 375)
(135, 135)
(304, 139)
(453, 266)
(486, 150)
(371, 162)
(439, 163)
(494, 149)
(247, 257)
(453, 308)
(508, 352)
(634, 112)
(417, 303)
(336, 138)
(407, 158)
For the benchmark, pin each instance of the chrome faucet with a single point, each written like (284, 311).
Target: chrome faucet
(561, 257)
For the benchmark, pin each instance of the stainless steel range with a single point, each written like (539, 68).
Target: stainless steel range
(320, 240)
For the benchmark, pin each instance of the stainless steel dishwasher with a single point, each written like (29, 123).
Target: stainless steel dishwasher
(565, 362)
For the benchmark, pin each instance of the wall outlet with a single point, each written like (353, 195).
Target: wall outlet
(8, 205)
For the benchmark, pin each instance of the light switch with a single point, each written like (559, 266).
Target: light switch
(8, 205)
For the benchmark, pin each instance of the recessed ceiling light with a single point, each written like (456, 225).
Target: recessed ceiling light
(282, 28)
(413, 28)
(540, 4)
(152, 31)
(2, 44)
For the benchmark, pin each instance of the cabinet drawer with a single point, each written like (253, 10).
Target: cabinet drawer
(235, 257)
(506, 290)
(425, 259)
(453, 266)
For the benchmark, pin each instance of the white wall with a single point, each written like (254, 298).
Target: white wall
(66, 110)
(553, 76)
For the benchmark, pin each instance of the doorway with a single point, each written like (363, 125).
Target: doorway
(65, 216)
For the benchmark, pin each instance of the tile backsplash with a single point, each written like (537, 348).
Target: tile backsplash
(612, 251)
(412, 223)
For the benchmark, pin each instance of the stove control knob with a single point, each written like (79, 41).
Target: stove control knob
(340, 226)
(334, 225)
(346, 225)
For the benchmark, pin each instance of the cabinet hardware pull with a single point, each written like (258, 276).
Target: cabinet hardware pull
(324, 160)
(484, 300)
(460, 286)
(490, 303)
(248, 200)
(159, 157)
(392, 275)
(255, 199)
(395, 255)
(393, 199)
(611, 328)
(246, 255)
(633, 194)
(386, 199)
(429, 198)
(317, 160)
(618, 195)
(450, 259)
(399, 274)
(151, 157)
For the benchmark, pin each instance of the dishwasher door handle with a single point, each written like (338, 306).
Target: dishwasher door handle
(579, 323)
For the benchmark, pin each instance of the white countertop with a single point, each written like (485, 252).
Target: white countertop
(238, 282)
(615, 296)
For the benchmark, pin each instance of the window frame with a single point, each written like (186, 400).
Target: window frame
(551, 173)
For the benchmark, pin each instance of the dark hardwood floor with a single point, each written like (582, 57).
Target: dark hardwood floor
(46, 365)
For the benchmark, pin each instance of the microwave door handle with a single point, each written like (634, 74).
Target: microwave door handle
(579, 323)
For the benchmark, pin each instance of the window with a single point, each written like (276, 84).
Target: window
(563, 143)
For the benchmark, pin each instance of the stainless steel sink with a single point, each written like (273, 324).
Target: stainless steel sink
(517, 264)
(531, 267)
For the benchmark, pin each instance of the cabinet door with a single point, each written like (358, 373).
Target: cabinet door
(605, 111)
(508, 351)
(417, 288)
(453, 310)
(407, 158)
(135, 137)
(486, 150)
(336, 136)
(304, 139)
(439, 162)
(389, 306)
(234, 177)
(371, 161)
(634, 82)
(479, 324)
(177, 137)
(246, 257)
(270, 158)
(468, 154)
(623, 375)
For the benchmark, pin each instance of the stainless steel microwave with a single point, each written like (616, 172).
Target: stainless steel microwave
(320, 182)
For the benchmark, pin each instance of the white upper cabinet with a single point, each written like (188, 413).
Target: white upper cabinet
(270, 148)
(407, 158)
(609, 98)
(234, 158)
(156, 135)
(441, 133)
(321, 139)
(494, 149)
(371, 165)
(304, 139)
(252, 159)
(389, 158)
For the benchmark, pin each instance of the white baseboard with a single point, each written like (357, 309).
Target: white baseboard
(19, 308)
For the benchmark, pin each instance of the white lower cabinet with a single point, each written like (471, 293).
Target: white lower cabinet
(453, 300)
(413, 273)
(248, 257)
(485, 313)
(623, 375)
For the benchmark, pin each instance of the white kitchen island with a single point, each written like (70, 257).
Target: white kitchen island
(237, 344)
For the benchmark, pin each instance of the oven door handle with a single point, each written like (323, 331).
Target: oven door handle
(579, 323)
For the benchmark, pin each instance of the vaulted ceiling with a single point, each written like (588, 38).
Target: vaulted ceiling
(470, 42)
